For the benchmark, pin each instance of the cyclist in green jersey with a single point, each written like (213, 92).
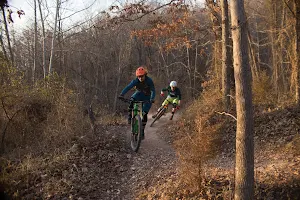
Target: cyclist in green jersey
(174, 97)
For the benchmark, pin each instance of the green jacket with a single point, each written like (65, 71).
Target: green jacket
(175, 94)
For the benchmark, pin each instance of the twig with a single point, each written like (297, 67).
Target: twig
(224, 113)
(291, 10)
(230, 96)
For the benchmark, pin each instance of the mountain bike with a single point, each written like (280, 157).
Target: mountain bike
(162, 112)
(136, 123)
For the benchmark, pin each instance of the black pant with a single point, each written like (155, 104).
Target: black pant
(145, 115)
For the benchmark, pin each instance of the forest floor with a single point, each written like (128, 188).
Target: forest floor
(101, 165)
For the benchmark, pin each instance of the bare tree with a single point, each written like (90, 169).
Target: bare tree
(3, 46)
(54, 36)
(44, 37)
(7, 33)
(216, 23)
(35, 43)
(244, 168)
(297, 48)
(225, 54)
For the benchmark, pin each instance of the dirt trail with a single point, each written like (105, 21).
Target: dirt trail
(154, 161)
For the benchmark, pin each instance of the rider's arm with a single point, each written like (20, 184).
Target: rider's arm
(179, 94)
(165, 89)
(152, 88)
(129, 86)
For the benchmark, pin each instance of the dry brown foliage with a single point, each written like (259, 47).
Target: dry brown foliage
(198, 136)
(41, 122)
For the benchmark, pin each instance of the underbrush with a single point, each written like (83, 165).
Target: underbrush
(198, 138)
(205, 144)
(39, 124)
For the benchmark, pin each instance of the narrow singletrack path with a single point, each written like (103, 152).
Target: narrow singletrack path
(155, 160)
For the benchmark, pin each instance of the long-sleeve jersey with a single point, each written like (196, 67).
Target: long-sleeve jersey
(147, 87)
(176, 93)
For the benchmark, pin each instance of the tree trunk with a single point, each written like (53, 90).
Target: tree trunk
(189, 71)
(225, 55)
(244, 168)
(274, 48)
(3, 47)
(282, 81)
(195, 67)
(35, 44)
(297, 53)
(216, 26)
(53, 37)
(44, 38)
(7, 35)
(117, 88)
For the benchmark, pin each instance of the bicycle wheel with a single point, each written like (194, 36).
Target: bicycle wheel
(136, 133)
(158, 116)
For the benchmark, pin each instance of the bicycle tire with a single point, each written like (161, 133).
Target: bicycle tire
(136, 133)
(158, 116)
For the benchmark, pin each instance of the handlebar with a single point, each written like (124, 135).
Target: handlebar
(132, 100)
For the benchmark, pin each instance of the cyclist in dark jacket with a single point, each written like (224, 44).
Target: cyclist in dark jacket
(174, 97)
(145, 91)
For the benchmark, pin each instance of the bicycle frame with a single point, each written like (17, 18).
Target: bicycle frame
(136, 123)
(162, 111)
(136, 108)
(136, 111)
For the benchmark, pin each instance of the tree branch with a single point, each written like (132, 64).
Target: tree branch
(224, 113)
(290, 8)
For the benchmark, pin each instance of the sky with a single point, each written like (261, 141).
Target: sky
(71, 7)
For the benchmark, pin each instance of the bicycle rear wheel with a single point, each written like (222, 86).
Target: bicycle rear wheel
(136, 133)
(158, 116)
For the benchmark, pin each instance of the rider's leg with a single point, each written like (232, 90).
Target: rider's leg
(146, 108)
(175, 103)
(130, 107)
(144, 122)
(135, 96)
(166, 102)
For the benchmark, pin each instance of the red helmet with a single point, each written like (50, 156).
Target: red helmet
(140, 71)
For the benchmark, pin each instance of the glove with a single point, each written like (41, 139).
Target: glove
(162, 94)
(177, 107)
(152, 100)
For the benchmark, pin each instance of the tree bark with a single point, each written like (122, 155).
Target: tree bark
(7, 35)
(53, 37)
(225, 55)
(297, 46)
(244, 168)
(44, 38)
(3, 47)
(35, 43)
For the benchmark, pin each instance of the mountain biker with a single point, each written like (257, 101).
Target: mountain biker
(174, 97)
(145, 91)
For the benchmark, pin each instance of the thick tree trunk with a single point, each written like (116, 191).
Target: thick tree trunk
(244, 169)
(225, 55)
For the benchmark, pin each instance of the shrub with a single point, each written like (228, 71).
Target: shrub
(198, 136)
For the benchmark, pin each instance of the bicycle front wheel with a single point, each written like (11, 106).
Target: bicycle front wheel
(136, 133)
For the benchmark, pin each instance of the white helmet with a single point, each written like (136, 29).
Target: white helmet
(173, 84)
